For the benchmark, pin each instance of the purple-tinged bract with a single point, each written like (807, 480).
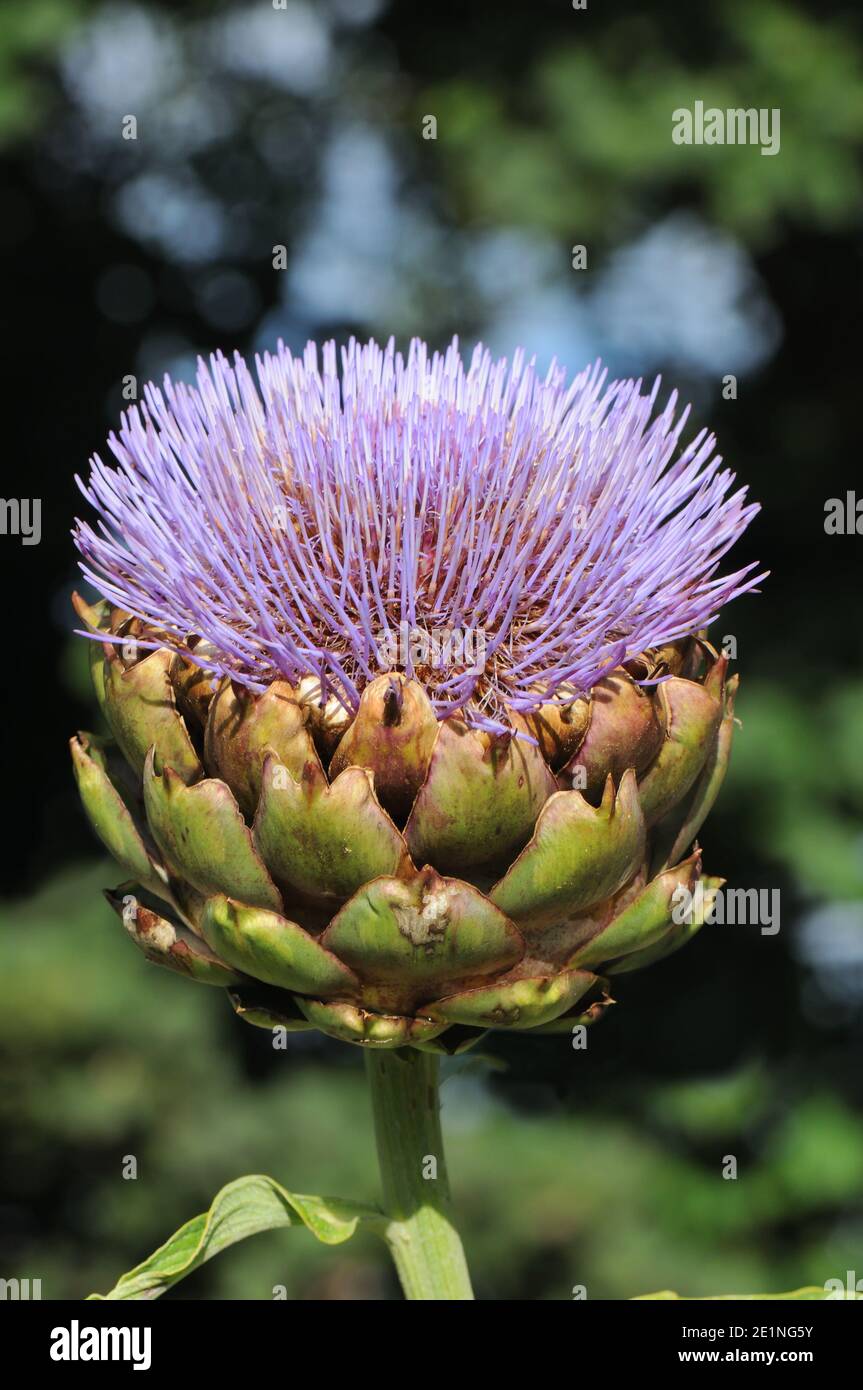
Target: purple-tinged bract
(294, 524)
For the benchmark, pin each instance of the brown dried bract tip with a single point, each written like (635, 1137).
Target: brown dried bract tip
(392, 704)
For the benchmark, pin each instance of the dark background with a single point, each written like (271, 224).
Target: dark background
(303, 127)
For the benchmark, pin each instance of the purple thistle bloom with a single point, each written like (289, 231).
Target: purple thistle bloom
(289, 527)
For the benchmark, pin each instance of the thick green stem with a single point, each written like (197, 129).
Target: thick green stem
(423, 1241)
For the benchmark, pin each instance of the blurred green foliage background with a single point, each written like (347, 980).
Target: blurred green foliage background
(302, 126)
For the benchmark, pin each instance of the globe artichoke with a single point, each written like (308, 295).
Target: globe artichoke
(350, 831)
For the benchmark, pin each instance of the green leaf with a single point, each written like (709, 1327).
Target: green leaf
(812, 1293)
(242, 1208)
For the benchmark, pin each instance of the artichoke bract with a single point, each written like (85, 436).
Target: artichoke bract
(413, 717)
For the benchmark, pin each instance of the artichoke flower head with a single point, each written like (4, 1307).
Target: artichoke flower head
(413, 718)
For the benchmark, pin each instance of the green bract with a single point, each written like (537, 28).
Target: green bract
(395, 880)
